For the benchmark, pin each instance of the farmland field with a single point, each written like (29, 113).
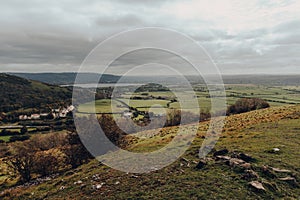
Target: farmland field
(160, 100)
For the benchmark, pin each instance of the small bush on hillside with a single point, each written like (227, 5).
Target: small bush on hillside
(48, 141)
(48, 162)
(111, 128)
(246, 105)
(18, 138)
(3, 150)
(76, 154)
(21, 160)
(46, 154)
(176, 117)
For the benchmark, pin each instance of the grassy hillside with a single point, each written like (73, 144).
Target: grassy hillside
(17, 93)
(255, 133)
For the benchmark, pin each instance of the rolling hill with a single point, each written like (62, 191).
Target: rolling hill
(19, 93)
(247, 167)
(67, 78)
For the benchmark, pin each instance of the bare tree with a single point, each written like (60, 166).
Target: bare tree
(22, 159)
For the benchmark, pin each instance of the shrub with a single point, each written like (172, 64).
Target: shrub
(76, 154)
(175, 117)
(3, 150)
(22, 159)
(18, 138)
(48, 162)
(23, 130)
(246, 105)
(111, 128)
(48, 141)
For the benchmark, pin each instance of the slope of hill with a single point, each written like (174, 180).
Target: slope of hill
(17, 93)
(256, 134)
(66, 78)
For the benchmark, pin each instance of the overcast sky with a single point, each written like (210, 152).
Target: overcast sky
(242, 37)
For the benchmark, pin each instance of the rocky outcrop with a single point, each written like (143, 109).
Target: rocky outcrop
(257, 185)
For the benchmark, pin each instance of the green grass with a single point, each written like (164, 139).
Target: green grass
(276, 96)
(262, 130)
(101, 106)
(5, 138)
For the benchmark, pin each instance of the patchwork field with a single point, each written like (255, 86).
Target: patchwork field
(275, 96)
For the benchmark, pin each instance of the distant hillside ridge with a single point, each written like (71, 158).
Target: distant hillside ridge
(19, 93)
(67, 78)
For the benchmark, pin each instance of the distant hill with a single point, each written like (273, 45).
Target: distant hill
(17, 93)
(67, 78)
(257, 79)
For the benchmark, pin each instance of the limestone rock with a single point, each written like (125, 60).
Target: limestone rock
(257, 185)
(224, 158)
(291, 180)
(280, 170)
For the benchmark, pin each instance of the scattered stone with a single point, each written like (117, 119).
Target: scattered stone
(194, 162)
(78, 182)
(134, 176)
(280, 170)
(153, 168)
(95, 177)
(257, 185)
(117, 182)
(224, 158)
(221, 152)
(98, 186)
(201, 164)
(235, 162)
(274, 150)
(290, 180)
(185, 160)
(246, 165)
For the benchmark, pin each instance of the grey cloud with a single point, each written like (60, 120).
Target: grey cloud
(126, 20)
(57, 35)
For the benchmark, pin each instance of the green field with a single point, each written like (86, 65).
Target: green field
(276, 96)
(5, 138)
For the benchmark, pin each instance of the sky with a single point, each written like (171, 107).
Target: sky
(241, 37)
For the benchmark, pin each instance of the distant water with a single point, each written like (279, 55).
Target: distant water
(95, 85)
